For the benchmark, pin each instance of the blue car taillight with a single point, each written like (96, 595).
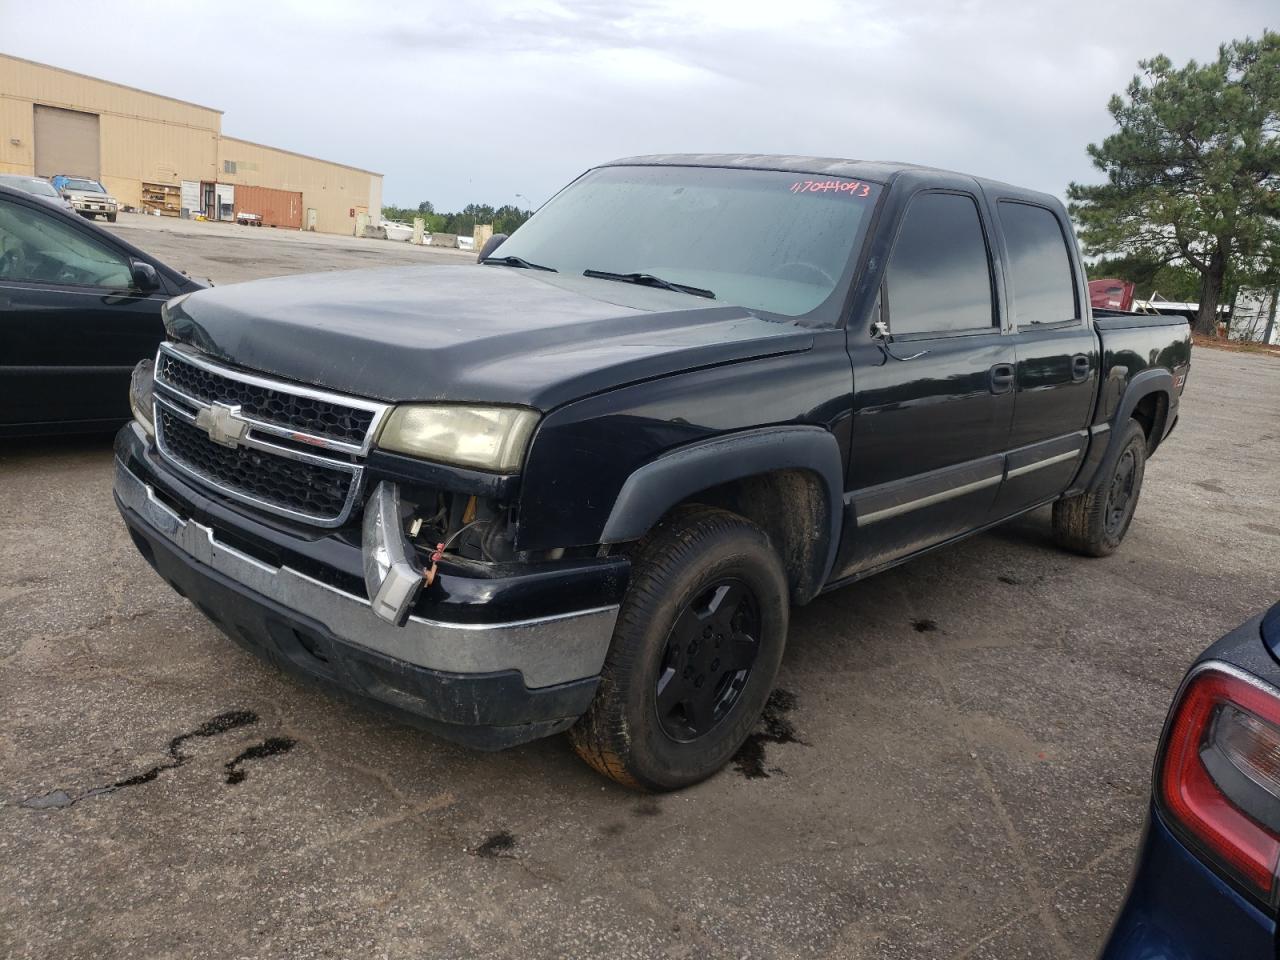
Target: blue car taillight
(1218, 778)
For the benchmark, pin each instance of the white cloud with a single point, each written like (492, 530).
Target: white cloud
(460, 102)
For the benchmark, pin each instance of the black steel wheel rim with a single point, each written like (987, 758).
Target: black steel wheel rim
(1120, 497)
(709, 655)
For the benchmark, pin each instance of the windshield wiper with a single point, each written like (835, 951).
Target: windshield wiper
(649, 280)
(518, 262)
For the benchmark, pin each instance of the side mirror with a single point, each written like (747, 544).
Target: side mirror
(145, 276)
(490, 245)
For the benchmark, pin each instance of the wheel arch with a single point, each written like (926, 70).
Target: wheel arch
(1147, 400)
(788, 480)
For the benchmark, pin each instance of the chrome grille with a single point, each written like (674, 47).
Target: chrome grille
(290, 408)
(280, 447)
(276, 481)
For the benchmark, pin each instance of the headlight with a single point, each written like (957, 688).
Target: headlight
(489, 438)
(141, 395)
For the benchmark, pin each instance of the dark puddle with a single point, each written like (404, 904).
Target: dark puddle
(924, 625)
(222, 723)
(776, 728)
(1015, 581)
(499, 845)
(267, 748)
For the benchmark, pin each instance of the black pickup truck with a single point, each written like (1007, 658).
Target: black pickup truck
(579, 485)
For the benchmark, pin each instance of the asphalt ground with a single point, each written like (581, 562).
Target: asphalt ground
(230, 253)
(957, 763)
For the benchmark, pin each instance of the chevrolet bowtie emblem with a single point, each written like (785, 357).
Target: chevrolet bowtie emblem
(223, 423)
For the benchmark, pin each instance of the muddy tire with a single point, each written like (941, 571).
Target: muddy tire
(1094, 523)
(694, 653)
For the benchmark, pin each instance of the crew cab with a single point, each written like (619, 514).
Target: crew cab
(580, 485)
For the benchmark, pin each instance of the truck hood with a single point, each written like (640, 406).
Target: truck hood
(88, 195)
(487, 334)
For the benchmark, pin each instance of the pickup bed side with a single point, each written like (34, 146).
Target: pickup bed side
(1145, 362)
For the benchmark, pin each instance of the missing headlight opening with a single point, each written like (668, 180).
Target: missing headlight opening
(463, 526)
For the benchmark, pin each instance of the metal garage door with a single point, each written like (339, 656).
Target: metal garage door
(66, 142)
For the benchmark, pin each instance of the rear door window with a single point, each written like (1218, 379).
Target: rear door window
(939, 276)
(1044, 288)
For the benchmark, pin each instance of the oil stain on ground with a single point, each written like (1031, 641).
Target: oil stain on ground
(774, 728)
(267, 748)
(222, 723)
(646, 808)
(497, 846)
(925, 625)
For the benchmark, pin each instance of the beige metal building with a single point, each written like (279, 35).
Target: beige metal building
(156, 153)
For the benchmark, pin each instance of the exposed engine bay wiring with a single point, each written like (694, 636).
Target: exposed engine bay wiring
(429, 574)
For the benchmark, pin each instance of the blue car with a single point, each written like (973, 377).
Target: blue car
(1207, 883)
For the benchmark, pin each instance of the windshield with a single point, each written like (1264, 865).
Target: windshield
(770, 241)
(41, 188)
(87, 186)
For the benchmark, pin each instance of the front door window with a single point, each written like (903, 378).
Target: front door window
(40, 248)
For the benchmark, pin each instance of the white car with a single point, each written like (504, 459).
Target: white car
(88, 197)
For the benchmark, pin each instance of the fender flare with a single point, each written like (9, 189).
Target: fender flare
(660, 484)
(1139, 387)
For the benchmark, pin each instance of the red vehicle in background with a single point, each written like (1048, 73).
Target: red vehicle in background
(1111, 294)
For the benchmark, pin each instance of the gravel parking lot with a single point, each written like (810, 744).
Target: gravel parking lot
(956, 763)
(229, 253)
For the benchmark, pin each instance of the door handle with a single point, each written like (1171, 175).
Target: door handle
(1002, 378)
(1080, 367)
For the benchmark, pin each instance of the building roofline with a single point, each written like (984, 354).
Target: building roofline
(304, 156)
(113, 83)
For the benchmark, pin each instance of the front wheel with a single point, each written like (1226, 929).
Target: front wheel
(694, 653)
(1094, 523)
(111, 218)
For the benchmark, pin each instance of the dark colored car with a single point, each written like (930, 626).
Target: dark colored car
(581, 484)
(1207, 884)
(38, 187)
(79, 307)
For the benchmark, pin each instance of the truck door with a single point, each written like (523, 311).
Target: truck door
(1057, 356)
(933, 401)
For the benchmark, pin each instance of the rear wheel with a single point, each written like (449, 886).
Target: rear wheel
(1094, 523)
(694, 654)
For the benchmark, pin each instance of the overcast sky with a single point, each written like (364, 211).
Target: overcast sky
(485, 100)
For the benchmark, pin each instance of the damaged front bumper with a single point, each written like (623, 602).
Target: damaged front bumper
(489, 684)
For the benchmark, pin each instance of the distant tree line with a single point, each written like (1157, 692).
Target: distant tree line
(505, 218)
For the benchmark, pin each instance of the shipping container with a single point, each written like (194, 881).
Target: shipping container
(277, 208)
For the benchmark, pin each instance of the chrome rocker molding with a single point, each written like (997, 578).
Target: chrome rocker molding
(546, 650)
(1041, 464)
(897, 497)
(950, 494)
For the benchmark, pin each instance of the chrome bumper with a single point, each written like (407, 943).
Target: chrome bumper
(546, 650)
